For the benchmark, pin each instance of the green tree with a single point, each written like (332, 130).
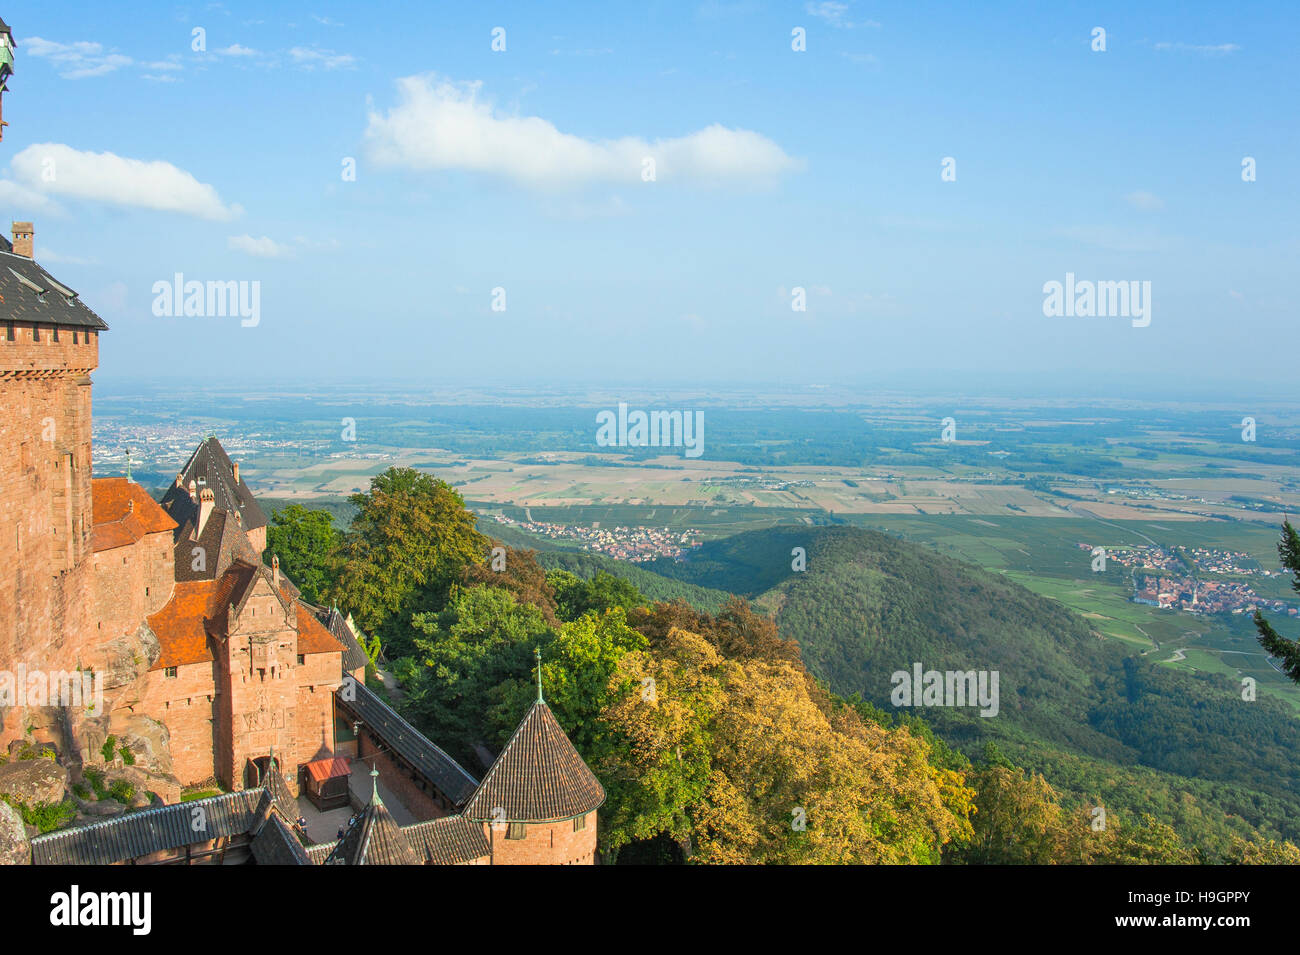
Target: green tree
(409, 544)
(304, 540)
(575, 596)
(1287, 651)
(465, 658)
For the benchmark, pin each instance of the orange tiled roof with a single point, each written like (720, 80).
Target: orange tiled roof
(330, 768)
(180, 625)
(123, 513)
(198, 607)
(312, 635)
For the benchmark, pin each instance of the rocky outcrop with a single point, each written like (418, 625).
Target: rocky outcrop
(34, 781)
(123, 660)
(14, 847)
(168, 788)
(146, 738)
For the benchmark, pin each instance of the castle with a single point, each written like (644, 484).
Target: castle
(209, 660)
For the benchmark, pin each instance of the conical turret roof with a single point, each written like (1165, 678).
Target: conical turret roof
(539, 776)
(374, 839)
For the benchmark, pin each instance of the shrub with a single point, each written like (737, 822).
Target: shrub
(128, 757)
(106, 750)
(122, 791)
(45, 816)
(96, 781)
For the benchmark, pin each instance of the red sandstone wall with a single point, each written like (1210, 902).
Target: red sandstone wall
(185, 703)
(551, 843)
(132, 582)
(46, 600)
(420, 802)
(317, 679)
(262, 664)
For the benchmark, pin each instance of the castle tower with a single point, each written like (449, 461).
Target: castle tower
(217, 516)
(49, 345)
(538, 801)
(375, 838)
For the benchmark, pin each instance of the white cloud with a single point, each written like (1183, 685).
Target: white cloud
(44, 254)
(263, 248)
(1112, 239)
(107, 177)
(326, 59)
(236, 50)
(76, 61)
(1144, 201)
(836, 14)
(19, 197)
(438, 124)
(1205, 49)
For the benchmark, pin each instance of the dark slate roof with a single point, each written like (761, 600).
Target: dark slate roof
(141, 833)
(451, 840)
(354, 658)
(405, 740)
(374, 839)
(277, 845)
(539, 776)
(318, 854)
(284, 800)
(223, 542)
(209, 466)
(23, 304)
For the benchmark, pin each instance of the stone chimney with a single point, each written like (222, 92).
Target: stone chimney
(236, 472)
(275, 571)
(207, 501)
(24, 238)
(179, 478)
(194, 494)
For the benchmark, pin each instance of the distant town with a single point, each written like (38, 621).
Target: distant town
(635, 544)
(1180, 587)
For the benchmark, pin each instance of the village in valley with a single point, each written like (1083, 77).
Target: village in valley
(1196, 579)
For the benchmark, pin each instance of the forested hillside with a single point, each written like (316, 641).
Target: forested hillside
(725, 735)
(869, 605)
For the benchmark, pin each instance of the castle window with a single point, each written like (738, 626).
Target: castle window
(579, 823)
(75, 337)
(301, 659)
(56, 333)
(170, 673)
(36, 333)
(516, 830)
(9, 331)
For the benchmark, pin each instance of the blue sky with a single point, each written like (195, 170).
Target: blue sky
(775, 169)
